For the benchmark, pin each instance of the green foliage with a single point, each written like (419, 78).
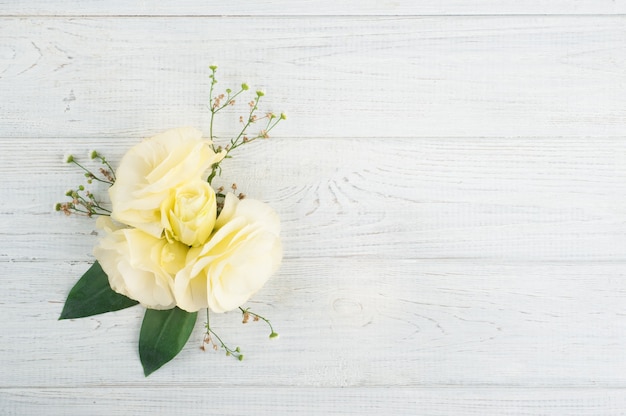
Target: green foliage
(163, 334)
(92, 295)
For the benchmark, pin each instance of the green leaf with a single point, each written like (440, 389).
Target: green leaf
(93, 295)
(163, 334)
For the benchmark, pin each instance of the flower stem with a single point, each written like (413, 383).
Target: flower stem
(256, 316)
(90, 174)
(208, 339)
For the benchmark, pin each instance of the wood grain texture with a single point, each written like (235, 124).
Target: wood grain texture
(335, 77)
(308, 7)
(451, 190)
(306, 401)
(473, 198)
(346, 323)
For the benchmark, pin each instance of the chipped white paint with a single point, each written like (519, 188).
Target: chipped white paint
(452, 190)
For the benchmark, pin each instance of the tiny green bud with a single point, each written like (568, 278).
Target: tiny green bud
(93, 154)
(273, 335)
(228, 353)
(213, 68)
(69, 159)
(244, 86)
(283, 116)
(69, 193)
(260, 93)
(240, 358)
(57, 206)
(237, 349)
(81, 188)
(228, 90)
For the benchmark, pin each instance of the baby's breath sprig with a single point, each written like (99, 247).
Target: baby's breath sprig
(108, 173)
(255, 317)
(208, 340)
(81, 205)
(221, 101)
(108, 176)
(82, 201)
(272, 121)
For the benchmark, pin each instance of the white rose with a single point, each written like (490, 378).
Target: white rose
(151, 169)
(188, 213)
(242, 253)
(138, 265)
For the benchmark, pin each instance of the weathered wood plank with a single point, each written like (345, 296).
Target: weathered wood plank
(474, 198)
(308, 8)
(345, 323)
(335, 77)
(262, 401)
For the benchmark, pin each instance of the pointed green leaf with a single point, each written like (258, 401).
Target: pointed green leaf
(93, 295)
(163, 334)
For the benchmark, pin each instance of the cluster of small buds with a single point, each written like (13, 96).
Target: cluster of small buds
(107, 174)
(107, 171)
(220, 101)
(246, 314)
(83, 202)
(220, 195)
(246, 317)
(217, 101)
(208, 340)
(236, 352)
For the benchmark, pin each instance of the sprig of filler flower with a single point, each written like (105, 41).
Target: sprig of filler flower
(270, 120)
(226, 99)
(83, 201)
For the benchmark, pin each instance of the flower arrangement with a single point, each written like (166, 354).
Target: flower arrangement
(173, 243)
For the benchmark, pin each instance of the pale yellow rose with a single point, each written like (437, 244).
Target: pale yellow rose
(188, 213)
(138, 265)
(240, 256)
(151, 169)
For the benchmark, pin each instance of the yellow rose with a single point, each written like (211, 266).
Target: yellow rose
(151, 169)
(138, 265)
(240, 256)
(188, 213)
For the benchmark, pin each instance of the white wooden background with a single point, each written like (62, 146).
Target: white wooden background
(451, 179)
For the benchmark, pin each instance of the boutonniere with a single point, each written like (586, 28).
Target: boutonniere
(172, 242)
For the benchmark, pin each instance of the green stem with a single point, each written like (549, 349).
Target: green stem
(243, 131)
(211, 106)
(104, 161)
(86, 204)
(267, 321)
(236, 353)
(88, 213)
(91, 175)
